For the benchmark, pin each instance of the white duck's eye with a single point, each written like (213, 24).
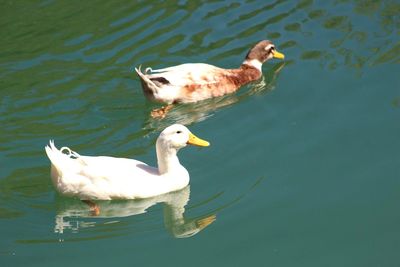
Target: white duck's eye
(179, 132)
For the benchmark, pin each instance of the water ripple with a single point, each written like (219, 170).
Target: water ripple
(66, 70)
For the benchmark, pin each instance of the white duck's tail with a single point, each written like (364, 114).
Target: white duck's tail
(61, 162)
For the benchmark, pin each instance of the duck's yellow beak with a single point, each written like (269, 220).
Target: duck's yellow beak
(194, 140)
(278, 55)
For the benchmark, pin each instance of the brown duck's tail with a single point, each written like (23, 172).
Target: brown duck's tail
(149, 87)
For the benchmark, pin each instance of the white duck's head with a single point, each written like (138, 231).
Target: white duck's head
(169, 142)
(261, 52)
(177, 136)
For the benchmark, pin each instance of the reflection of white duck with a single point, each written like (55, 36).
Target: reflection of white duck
(70, 213)
(107, 178)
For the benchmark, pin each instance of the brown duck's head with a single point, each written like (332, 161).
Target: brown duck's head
(263, 51)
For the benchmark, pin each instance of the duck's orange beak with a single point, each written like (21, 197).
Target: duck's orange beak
(194, 140)
(278, 55)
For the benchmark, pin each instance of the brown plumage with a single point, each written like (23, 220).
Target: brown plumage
(192, 82)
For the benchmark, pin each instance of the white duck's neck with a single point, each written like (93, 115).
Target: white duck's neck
(167, 158)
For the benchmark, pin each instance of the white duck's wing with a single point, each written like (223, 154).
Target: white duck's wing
(113, 169)
(190, 73)
(111, 178)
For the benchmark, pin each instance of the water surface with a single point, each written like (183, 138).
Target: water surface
(304, 165)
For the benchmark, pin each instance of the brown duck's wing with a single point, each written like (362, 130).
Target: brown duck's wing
(187, 74)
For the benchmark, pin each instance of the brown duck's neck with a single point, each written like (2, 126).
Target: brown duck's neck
(248, 67)
(243, 75)
(246, 74)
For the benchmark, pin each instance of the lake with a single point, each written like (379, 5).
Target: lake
(303, 167)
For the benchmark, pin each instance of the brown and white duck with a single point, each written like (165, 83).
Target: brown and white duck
(192, 82)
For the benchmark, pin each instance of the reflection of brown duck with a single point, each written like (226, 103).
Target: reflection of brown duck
(70, 213)
(193, 82)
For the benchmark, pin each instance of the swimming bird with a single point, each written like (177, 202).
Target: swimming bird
(192, 82)
(105, 178)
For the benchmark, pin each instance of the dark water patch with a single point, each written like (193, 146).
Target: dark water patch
(9, 214)
(293, 27)
(287, 44)
(256, 12)
(390, 55)
(222, 10)
(337, 22)
(316, 14)
(315, 54)
(274, 35)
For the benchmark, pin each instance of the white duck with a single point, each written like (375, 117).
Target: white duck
(106, 178)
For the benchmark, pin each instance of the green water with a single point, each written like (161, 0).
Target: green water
(304, 166)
